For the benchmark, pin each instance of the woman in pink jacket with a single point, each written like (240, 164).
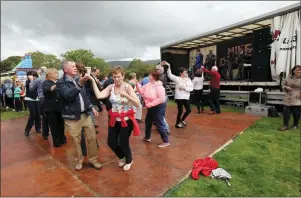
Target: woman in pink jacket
(153, 94)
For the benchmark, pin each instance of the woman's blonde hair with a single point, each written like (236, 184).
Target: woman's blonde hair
(50, 71)
(118, 69)
(132, 75)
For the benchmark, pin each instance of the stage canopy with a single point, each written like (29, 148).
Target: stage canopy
(229, 32)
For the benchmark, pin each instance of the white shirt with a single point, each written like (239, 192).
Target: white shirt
(198, 83)
(183, 83)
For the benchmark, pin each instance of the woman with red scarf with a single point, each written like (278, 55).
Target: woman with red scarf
(122, 119)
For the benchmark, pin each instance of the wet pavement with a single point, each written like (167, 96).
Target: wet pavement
(31, 166)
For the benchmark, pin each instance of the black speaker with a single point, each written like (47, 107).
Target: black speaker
(261, 71)
(176, 61)
(262, 38)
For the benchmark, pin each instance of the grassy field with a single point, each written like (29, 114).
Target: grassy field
(6, 115)
(262, 162)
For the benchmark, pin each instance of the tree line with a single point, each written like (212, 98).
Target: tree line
(84, 56)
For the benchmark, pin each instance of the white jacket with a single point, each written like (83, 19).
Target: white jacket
(184, 83)
(198, 83)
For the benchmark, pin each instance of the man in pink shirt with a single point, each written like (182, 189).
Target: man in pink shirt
(154, 96)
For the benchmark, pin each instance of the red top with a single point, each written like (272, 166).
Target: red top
(215, 78)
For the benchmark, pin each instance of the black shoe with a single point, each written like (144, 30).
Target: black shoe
(38, 131)
(139, 120)
(45, 137)
(56, 144)
(27, 133)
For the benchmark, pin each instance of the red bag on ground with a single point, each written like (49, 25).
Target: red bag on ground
(204, 166)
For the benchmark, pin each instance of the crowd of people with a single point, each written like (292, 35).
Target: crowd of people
(71, 103)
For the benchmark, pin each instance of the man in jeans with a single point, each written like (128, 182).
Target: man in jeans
(75, 108)
(37, 85)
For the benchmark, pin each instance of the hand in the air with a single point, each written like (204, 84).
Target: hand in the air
(202, 67)
(83, 79)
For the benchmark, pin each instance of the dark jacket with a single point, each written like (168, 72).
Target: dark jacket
(69, 96)
(31, 93)
(51, 101)
(90, 91)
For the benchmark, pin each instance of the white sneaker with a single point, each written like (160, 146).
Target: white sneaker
(121, 162)
(127, 166)
(163, 145)
(183, 123)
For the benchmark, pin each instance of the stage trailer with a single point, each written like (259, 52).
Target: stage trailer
(273, 40)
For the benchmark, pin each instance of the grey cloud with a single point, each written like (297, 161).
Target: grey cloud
(114, 30)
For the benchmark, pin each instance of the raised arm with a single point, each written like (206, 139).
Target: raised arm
(140, 88)
(170, 75)
(100, 94)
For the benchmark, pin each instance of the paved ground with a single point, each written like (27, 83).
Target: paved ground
(30, 166)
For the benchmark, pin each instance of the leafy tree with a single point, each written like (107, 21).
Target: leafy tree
(80, 56)
(40, 59)
(139, 67)
(10, 63)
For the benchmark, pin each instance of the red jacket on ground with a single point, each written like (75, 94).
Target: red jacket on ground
(215, 78)
(204, 166)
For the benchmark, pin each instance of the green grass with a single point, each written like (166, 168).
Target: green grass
(262, 162)
(6, 115)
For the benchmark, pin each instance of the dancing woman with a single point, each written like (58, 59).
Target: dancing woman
(154, 96)
(182, 93)
(122, 116)
(198, 82)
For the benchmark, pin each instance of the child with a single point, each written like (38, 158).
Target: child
(17, 96)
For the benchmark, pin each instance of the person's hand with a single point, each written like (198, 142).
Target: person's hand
(94, 112)
(83, 79)
(288, 88)
(123, 94)
(30, 77)
(202, 67)
(147, 105)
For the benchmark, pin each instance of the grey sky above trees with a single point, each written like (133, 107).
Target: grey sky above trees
(115, 30)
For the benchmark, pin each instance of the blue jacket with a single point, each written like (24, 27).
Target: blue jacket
(199, 61)
(68, 93)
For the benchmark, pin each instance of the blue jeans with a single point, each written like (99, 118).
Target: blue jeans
(162, 108)
(156, 115)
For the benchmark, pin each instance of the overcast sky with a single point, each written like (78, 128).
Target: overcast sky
(116, 30)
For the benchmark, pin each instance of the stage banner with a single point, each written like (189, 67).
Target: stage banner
(204, 51)
(285, 52)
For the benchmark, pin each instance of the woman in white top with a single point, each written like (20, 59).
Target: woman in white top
(198, 82)
(182, 93)
(138, 110)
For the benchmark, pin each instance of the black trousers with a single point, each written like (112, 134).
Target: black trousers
(9, 102)
(214, 100)
(34, 116)
(287, 111)
(23, 103)
(199, 102)
(122, 147)
(18, 104)
(57, 127)
(45, 124)
(180, 104)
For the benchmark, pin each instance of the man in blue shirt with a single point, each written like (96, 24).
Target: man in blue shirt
(199, 59)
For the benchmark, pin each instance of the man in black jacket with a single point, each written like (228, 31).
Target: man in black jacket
(75, 108)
